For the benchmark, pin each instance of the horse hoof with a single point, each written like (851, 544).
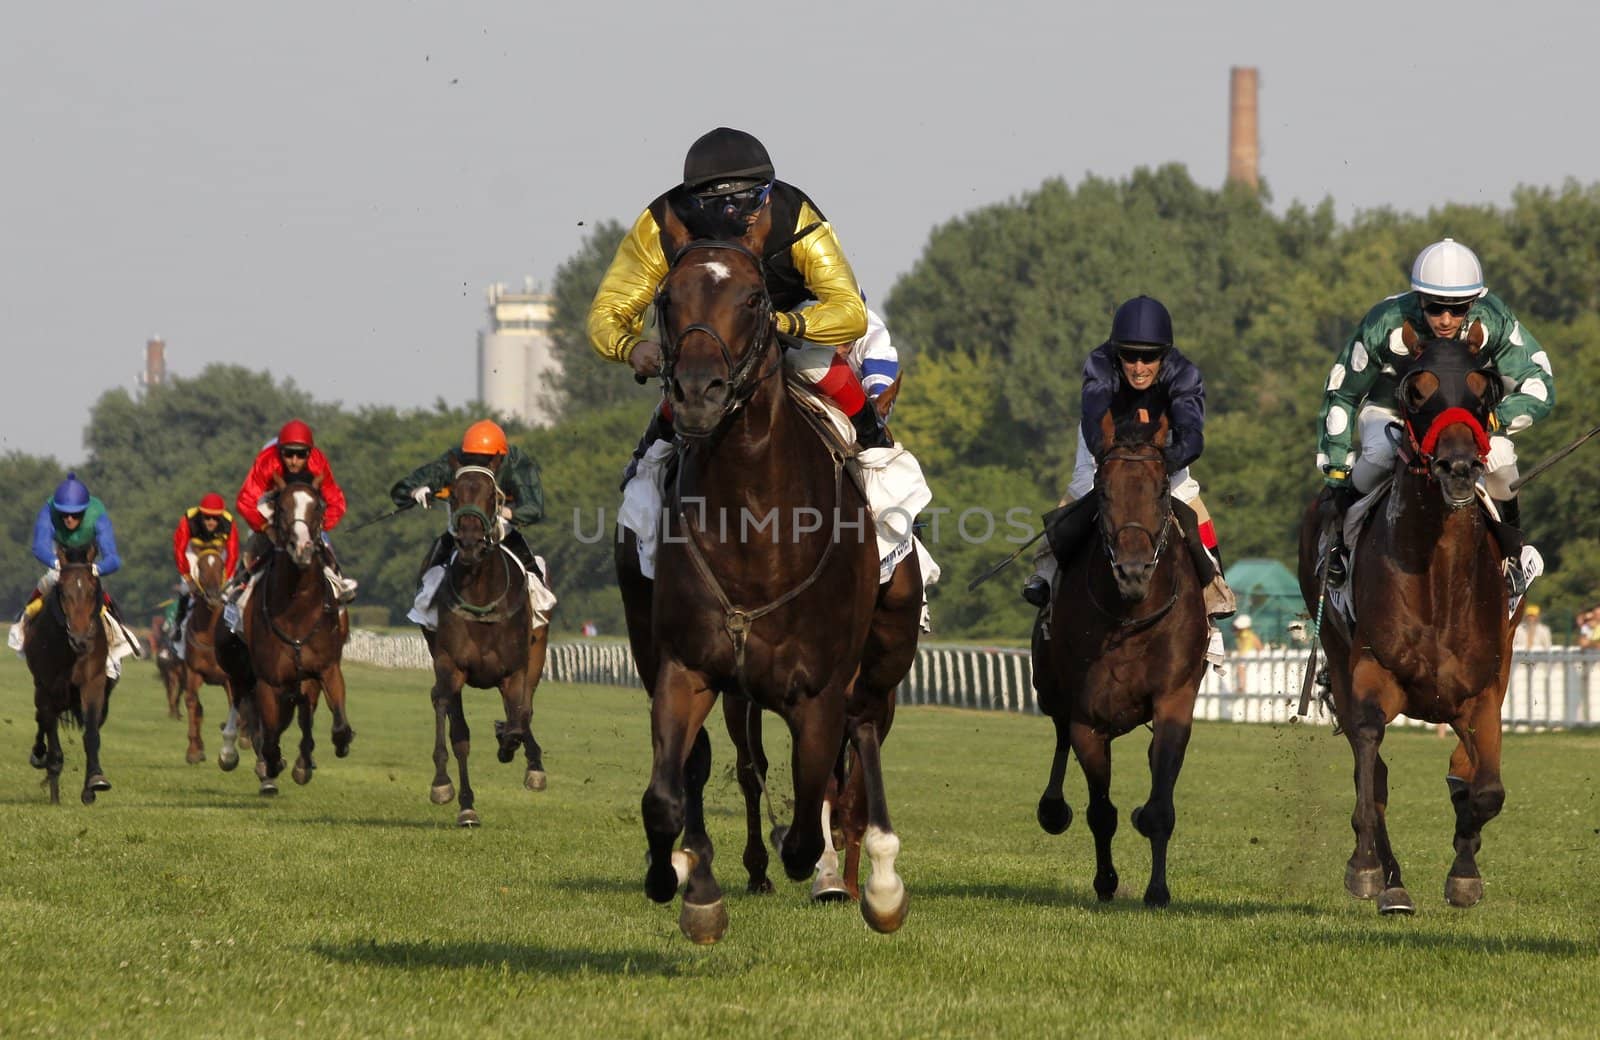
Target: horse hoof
(36, 761)
(98, 782)
(1363, 882)
(1157, 898)
(1055, 815)
(885, 913)
(759, 886)
(268, 787)
(88, 796)
(442, 794)
(301, 774)
(1396, 900)
(535, 780)
(779, 832)
(466, 818)
(505, 754)
(703, 925)
(1463, 891)
(227, 760)
(829, 888)
(195, 756)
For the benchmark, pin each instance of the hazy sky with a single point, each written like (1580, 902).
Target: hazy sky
(326, 189)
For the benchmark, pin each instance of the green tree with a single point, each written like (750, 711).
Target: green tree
(584, 381)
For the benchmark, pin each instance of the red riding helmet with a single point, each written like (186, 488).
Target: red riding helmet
(295, 432)
(213, 504)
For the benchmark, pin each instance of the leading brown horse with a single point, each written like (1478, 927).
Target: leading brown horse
(753, 597)
(66, 652)
(1126, 648)
(295, 632)
(485, 639)
(1432, 636)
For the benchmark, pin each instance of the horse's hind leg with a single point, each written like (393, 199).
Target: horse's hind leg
(1094, 755)
(884, 899)
(1477, 794)
(305, 764)
(228, 757)
(534, 779)
(53, 760)
(1156, 818)
(38, 757)
(1055, 815)
(743, 720)
(333, 686)
(191, 701)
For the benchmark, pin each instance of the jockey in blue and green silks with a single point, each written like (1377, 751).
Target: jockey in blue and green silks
(1447, 298)
(71, 519)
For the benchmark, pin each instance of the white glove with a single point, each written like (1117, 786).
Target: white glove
(505, 513)
(264, 507)
(421, 496)
(94, 568)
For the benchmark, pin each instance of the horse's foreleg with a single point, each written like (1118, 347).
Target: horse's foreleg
(678, 710)
(1476, 792)
(743, 720)
(461, 742)
(333, 686)
(39, 756)
(702, 918)
(846, 802)
(442, 791)
(1156, 818)
(535, 778)
(1094, 755)
(305, 764)
(48, 743)
(884, 900)
(817, 730)
(191, 702)
(1373, 869)
(1054, 814)
(270, 723)
(228, 757)
(94, 707)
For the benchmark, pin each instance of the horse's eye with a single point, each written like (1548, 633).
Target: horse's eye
(753, 301)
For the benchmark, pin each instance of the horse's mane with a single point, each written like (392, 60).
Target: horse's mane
(1137, 414)
(76, 553)
(303, 477)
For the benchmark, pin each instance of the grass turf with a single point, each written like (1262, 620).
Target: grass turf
(183, 904)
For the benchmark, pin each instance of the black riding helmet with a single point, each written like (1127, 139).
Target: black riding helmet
(725, 160)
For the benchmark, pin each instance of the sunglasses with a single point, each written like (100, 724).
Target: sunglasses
(1434, 308)
(1136, 356)
(295, 453)
(741, 203)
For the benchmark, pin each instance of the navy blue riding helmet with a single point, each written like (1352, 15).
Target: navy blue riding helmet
(1142, 322)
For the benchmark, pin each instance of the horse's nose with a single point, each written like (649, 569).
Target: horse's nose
(1133, 575)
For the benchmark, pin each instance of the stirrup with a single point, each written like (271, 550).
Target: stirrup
(1338, 568)
(1036, 591)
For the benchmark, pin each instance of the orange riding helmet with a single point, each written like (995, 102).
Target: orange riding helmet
(484, 438)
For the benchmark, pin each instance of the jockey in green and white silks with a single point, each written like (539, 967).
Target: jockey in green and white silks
(1447, 297)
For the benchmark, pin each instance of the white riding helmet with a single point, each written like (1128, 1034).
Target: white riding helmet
(1241, 622)
(1448, 270)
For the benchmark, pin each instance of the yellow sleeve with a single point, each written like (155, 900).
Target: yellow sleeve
(839, 315)
(616, 318)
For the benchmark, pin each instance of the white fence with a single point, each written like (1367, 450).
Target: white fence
(1549, 688)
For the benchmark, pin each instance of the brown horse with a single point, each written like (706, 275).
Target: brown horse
(485, 640)
(169, 665)
(1431, 638)
(295, 632)
(200, 661)
(1126, 648)
(789, 618)
(66, 652)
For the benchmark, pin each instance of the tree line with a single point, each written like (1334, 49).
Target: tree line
(993, 323)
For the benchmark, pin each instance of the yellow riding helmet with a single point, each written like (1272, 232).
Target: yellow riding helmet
(484, 438)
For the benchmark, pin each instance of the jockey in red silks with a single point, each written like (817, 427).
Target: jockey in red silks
(292, 456)
(208, 525)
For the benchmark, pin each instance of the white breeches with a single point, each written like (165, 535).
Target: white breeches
(1376, 460)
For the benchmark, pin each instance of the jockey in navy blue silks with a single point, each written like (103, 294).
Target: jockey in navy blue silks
(1138, 367)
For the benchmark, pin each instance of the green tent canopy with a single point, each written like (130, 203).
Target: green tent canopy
(1269, 593)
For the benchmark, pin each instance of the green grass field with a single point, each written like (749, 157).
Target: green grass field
(184, 905)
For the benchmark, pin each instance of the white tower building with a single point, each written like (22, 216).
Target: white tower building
(515, 356)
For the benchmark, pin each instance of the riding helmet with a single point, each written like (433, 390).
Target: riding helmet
(1142, 322)
(213, 504)
(1448, 270)
(484, 438)
(71, 496)
(295, 432)
(725, 154)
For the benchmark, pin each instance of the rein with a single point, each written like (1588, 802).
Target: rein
(295, 645)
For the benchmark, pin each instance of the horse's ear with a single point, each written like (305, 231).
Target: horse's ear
(278, 483)
(1163, 427)
(1476, 337)
(884, 401)
(94, 550)
(674, 234)
(1409, 337)
(316, 481)
(1108, 430)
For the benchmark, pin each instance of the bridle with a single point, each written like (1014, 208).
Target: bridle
(58, 604)
(1108, 535)
(491, 524)
(743, 379)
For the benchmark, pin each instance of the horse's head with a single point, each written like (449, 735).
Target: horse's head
(1135, 500)
(297, 521)
(78, 596)
(1447, 397)
(715, 319)
(475, 501)
(209, 567)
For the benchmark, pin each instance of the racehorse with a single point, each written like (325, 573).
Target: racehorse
(1432, 635)
(812, 637)
(485, 639)
(168, 665)
(295, 633)
(1126, 648)
(66, 652)
(200, 659)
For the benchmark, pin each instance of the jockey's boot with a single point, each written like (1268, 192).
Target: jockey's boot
(1336, 503)
(1220, 601)
(1036, 590)
(1523, 563)
(1067, 529)
(183, 612)
(438, 554)
(518, 544)
(346, 586)
(659, 429)
(870, 431)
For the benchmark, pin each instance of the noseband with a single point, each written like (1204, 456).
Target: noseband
(742, 383)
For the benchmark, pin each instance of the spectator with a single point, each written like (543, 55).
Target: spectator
(1245, 643)
(1531, 634)
(1589, 628)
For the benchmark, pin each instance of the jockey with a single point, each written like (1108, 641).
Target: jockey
(208, 525)
(1447, 297)
(728, 187)
(292, 456)
(71, 519)
(517, 475)
(1139, 358)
